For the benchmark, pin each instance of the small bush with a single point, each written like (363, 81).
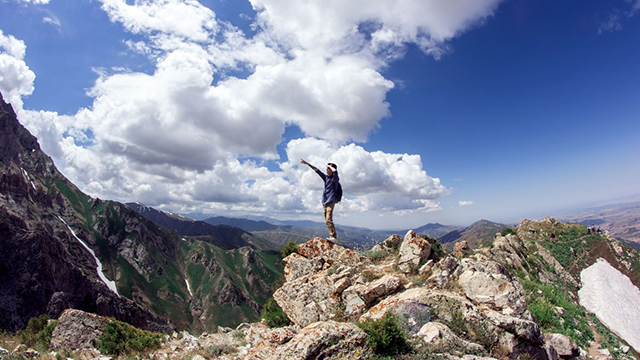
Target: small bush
(386, 336)
(370, 275)
(375, 256)
(289, 248)
(507, 231)
(219, 350)
(38, 332)
(274, 316)
(437, 251)
(119, 338)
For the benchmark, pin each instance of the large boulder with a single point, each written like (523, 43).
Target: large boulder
(522, 328)
(77, 330)
(360, 296)
(562, 345)
(414, 251)
(308, 299)
(489, 283)
(316, 277)
(320, 340)
(442, 338)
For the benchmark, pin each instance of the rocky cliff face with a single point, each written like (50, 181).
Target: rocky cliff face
(43, 267)
(60, 248)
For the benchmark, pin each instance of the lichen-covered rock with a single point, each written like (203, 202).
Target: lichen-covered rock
(307, 300)
(298, 266)
(320, 340)
(361, 296)
(522, 328)
(442, 338)
(77, 330)
(562, 344)
(490, 283)
(395, 301)
(460, 248)
(414, 251)
(328, 253)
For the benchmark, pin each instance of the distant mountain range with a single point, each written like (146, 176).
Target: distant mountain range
(621, 219)
(224, 235)
(281, 231)
(475, 234)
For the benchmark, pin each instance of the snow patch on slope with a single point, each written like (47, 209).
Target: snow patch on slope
(614, 299)
(110, 284)
(29, 179)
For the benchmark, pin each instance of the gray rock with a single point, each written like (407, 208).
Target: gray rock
(77, 330)
(440, 336)
(562, 344)
(414, 251)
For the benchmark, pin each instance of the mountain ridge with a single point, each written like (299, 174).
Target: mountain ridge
(55, 239)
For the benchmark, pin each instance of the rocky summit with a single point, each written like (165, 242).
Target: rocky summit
(473, 304)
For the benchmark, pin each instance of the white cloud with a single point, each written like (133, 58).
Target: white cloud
(465, 203)
(338, 24)
(174, 137)
(187, 19)
(376, 180)
(53, 20)
(16, 79)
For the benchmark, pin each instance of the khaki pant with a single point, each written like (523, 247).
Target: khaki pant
(328, 218)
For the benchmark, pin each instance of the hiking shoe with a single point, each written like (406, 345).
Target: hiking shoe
(332, 239)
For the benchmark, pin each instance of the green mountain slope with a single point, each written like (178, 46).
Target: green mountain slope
(47, 226)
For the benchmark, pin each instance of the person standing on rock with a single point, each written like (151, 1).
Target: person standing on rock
(331, 195)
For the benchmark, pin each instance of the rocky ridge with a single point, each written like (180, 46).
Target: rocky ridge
(468, 306)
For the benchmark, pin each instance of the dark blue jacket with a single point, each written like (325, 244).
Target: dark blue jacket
(330, 186)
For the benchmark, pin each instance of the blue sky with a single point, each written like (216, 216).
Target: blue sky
(434, 112)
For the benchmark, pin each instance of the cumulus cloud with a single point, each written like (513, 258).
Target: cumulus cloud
(373, 180)
(195, 132)
(340, 24)
(465, 203)
(16, 79)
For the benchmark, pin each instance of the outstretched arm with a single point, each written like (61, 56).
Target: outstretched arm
(303, 161)
(320, 173)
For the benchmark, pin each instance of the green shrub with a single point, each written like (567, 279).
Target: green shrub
(38, 332)
(544, 300)
(274, 316)
(375, 256)
(289, 248)
(119, 338)
(386, 336)
(219, 350)
(507, 231)
(370, 275)
(437, 251)
(545, 314)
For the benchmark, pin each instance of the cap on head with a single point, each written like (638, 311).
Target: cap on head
(333, 166)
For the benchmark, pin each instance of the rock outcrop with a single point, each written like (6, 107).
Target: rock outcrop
(476, 296)
(414, 251)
